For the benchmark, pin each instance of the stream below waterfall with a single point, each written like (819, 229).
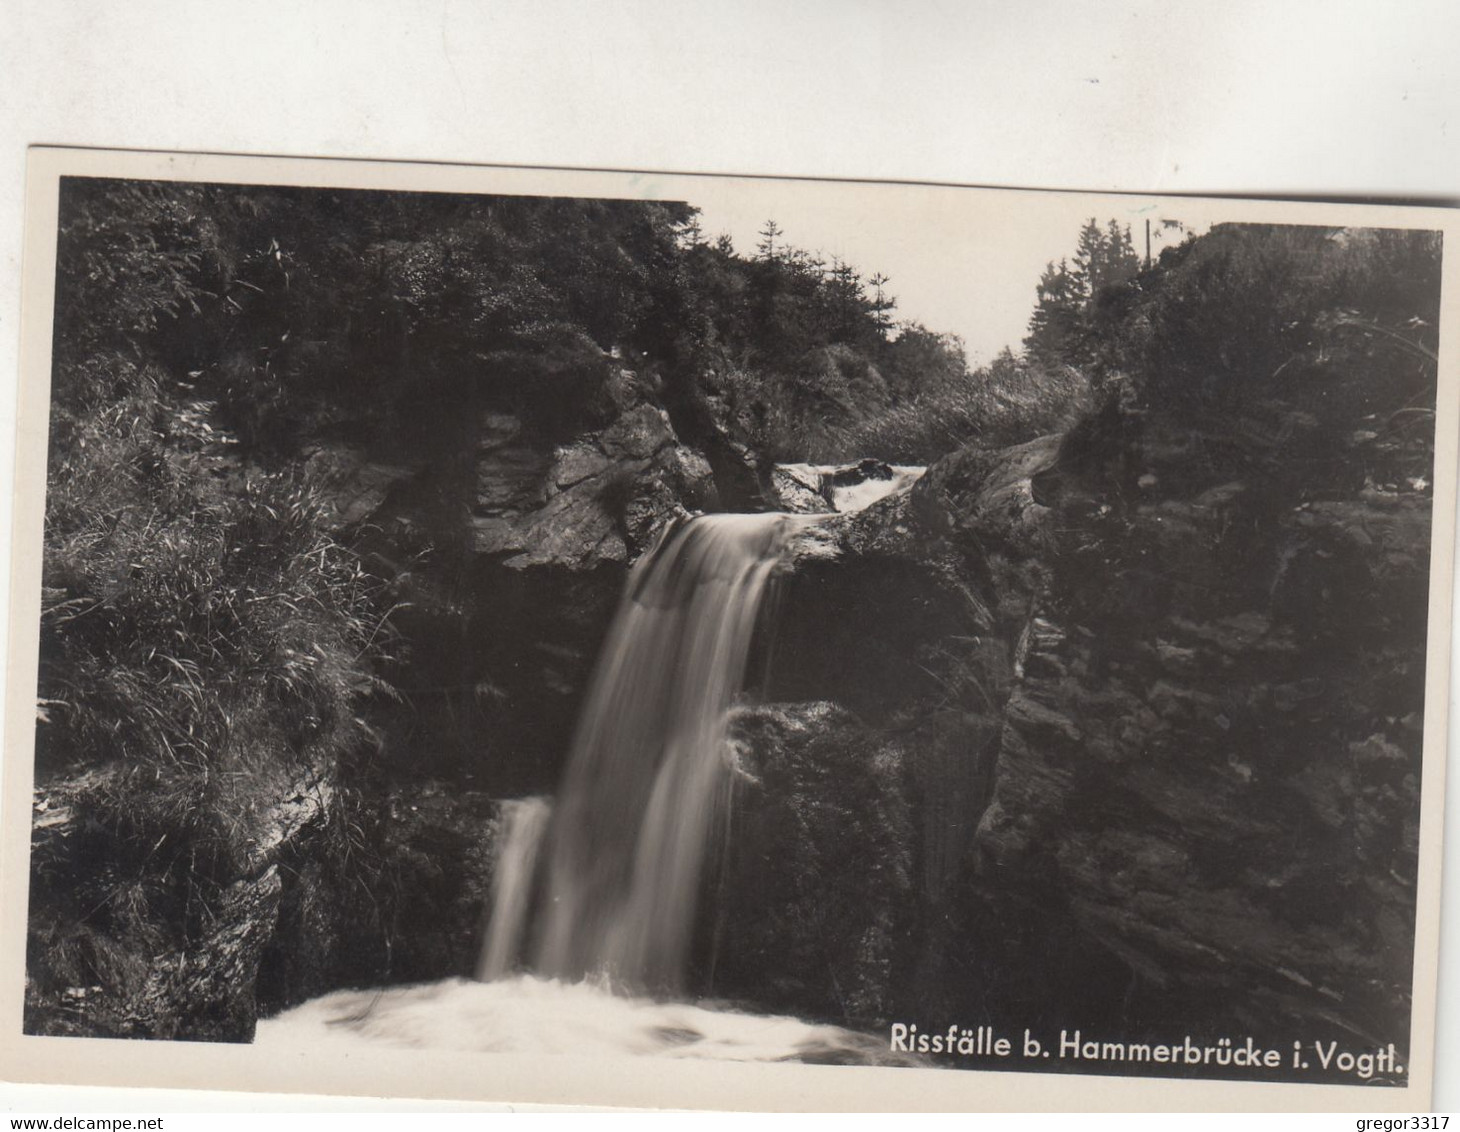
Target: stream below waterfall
(525, 1014)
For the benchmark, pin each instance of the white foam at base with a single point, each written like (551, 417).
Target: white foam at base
(528, 1015)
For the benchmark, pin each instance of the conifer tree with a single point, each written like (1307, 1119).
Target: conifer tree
(690, 233)
(1089, 261)
(768, 237)
(1122, 263)
(1054, 325)
(882, 303)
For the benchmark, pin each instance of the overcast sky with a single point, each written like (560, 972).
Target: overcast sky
(959, 261)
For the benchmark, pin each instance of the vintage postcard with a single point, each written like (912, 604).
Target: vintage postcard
(639, 639)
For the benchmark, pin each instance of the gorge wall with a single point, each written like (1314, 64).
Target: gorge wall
(1132, 739)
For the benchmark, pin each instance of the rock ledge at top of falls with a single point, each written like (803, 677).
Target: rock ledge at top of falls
(968, 537)
(596, 498)
(600, 498)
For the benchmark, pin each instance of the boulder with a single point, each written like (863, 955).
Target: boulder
(174, 952)
(797, 488)
(814, 894)
(599, 499)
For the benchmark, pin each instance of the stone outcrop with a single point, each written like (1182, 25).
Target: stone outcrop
(515, 495)
(895, 651)
(1210, 764)
(1157, 729)
(507, 544)
(171, 954)
(809, 911)
(598, 499)
(798, 488)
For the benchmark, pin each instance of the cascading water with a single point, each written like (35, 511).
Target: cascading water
(600, 890)
(647, 781)
(524, 823)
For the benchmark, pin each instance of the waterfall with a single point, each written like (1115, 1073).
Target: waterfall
(523, 824)
(596, 894)
(648, 780)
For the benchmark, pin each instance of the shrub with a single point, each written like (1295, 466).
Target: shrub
(1005, 403)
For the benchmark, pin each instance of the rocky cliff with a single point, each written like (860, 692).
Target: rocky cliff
(1145, 715)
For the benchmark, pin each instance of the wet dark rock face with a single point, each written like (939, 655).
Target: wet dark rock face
(438, 846)
(808, 912)
(1211, 761)
(1150, 723)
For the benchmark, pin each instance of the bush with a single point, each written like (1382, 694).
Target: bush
(1005, 403)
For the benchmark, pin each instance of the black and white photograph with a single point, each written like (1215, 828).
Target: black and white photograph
(892, 633)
